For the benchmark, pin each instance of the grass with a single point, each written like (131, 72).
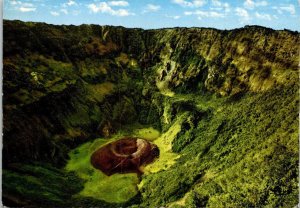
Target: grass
(147, 133)
(166, 158)
(239, 151)
(117, 188)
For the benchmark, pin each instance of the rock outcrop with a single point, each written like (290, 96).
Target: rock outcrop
(225, 100)
(65, 81)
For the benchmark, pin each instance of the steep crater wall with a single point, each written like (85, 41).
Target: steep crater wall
(64, 85)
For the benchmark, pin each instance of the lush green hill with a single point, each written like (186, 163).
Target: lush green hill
(222, 106)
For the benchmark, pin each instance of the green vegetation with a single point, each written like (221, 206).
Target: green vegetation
(115, 189)
(222, 106)
(241, 155)
(147, 133)
(38, 183)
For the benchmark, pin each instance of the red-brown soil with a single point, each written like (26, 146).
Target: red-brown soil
(123, 156)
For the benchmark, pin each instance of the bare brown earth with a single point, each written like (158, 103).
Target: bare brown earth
(125, 155)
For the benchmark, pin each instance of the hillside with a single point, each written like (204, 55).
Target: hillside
(222, 107)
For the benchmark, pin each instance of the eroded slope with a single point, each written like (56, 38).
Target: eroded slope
(225, 102)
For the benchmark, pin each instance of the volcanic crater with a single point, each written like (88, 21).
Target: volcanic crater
(124, 156)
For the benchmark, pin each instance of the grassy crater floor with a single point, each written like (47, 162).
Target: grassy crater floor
(214, 152)
(117, 188)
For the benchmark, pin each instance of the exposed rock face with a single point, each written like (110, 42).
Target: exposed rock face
(123, 156)
(227, 99)
(65, 81)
